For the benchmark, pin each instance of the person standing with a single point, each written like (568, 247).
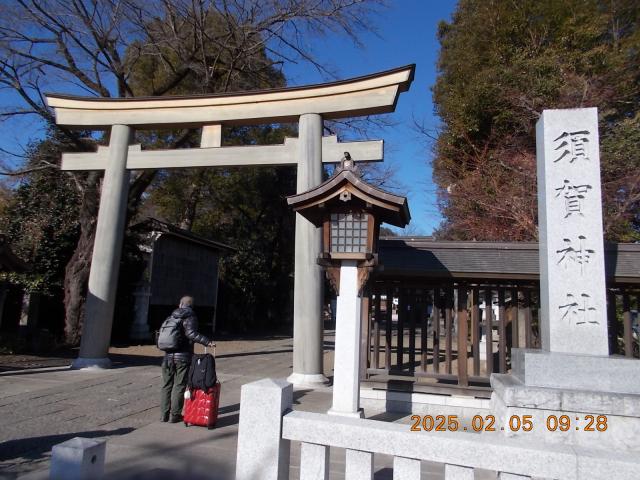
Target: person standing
(181, 330)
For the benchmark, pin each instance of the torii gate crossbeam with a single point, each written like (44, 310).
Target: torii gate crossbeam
(263, 155)
(309, 105)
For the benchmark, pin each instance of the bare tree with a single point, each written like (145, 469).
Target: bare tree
(100, 48)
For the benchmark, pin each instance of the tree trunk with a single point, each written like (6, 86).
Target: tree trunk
(77, 270)
(191, 206)
(76, 275)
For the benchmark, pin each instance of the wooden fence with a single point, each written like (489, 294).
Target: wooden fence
(443, 333)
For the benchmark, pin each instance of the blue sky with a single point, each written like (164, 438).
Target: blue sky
(407, 34)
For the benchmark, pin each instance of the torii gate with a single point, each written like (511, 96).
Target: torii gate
(309, 105)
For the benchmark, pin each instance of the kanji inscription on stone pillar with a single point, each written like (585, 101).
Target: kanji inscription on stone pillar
(572, 277)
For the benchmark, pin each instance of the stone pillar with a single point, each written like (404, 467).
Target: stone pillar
(457, 472)
(140, 327)
(29, 317)
(314, 462)
(78, 459)
(573, 375)
(212, 138)
(346, 372)
(406, 468)
(105, 264)
(308, 282)
(573, 305)
(25, 324)
(358, 465)
(262, 453)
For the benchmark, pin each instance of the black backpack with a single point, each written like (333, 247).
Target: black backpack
(171, 334)
(202, 373)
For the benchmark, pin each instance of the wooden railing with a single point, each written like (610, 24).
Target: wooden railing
(446, 333)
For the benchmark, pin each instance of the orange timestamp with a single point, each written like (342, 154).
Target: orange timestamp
(516, 423)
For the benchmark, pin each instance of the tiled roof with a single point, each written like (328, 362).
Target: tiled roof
(153, 224)
(423, 256)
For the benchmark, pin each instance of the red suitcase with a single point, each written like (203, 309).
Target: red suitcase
(202, 408)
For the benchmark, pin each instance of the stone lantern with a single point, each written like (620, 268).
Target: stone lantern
(349, 211)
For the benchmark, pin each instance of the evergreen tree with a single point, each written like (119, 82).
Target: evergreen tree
(501, 63)
(40, 220)
(41, 217)
(246, 208)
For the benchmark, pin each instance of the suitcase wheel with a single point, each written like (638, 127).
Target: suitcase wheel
(186, 424)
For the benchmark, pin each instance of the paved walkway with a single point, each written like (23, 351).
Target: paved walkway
(43, 407)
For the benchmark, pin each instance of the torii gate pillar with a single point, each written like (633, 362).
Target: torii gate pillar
(308, 282)
(105, 263)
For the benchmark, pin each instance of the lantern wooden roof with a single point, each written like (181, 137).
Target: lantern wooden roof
(346, 187)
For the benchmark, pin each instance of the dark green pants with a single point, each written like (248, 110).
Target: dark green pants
(174, 383)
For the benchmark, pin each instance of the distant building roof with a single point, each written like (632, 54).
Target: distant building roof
(425, 257)
(155, 225)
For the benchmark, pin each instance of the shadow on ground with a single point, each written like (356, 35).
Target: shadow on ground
(9, 373)
(167, 474)
(122, 360)
(218, 336)
(35, 447)
(174, 461)
(248, 354)
(252, 336)
(29, 361)
(384, 474)
(298, 394)
(388, 416)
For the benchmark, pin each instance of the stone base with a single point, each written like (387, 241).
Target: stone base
(78, 459)
(512, 398)
(576, 372)
(308, 380)
(358, 414)
(261, 451)
(81, 363)
(465, 407)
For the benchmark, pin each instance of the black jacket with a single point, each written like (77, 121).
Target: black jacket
(191, 335)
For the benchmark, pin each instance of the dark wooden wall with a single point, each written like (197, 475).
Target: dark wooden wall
(180, 267)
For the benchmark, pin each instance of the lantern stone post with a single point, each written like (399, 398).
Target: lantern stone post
(346, 379)
(349, 211)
